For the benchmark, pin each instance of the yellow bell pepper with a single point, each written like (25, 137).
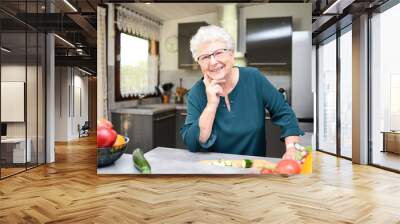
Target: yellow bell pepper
(306, 168)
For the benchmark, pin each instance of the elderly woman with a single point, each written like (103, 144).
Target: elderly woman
(226, 108)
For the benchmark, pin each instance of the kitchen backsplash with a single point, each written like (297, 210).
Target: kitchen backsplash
(280, 79)
(189, 77)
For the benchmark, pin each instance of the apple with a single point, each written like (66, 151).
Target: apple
(288, 166)
(105, 137)
(103, 123)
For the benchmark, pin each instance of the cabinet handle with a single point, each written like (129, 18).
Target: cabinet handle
(184, 114)
(266, 63)
(164, 117)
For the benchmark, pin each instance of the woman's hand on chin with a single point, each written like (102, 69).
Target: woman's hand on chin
(213, 90)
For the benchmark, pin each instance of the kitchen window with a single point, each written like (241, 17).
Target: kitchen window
(133, 63)
(136, 66)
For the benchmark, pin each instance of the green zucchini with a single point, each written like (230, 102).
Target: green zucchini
(140, 162)
(247, 163)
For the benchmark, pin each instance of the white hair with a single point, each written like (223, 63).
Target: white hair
(209, 33)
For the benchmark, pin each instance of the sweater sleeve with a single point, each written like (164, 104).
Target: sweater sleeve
(190, 131)
(280, 111)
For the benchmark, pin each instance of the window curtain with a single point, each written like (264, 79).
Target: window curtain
(133, 23)
(102, 62)
(153, 65)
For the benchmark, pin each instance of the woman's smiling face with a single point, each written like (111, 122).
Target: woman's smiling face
(217, 66)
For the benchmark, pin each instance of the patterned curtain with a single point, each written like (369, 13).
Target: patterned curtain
(135, 24)
(131, 22)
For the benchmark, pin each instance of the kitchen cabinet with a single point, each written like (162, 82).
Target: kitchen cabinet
(185, 32)
(180, 121)
(138, 128)
(269, 42)
(275, 148)
(146, 131)
(164, 129)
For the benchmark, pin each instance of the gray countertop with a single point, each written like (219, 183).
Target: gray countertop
(180, 161)
(150, 109)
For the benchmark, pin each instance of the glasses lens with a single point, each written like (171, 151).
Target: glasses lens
(204, 58)
(219, 53)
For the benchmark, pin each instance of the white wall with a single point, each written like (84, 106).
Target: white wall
(33, 126)
(15, 72)
(67, 114)
(61, 103)
(302, 96)
(81, 84)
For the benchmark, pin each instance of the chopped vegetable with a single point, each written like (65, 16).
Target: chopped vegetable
(266, 171)
(247, 163)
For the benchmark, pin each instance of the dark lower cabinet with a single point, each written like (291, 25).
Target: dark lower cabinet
(164, 130)
(180, 121)
(138, 128)
(275, 148)
(146, 131)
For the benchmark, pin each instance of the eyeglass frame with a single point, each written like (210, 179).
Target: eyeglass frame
(212, 54)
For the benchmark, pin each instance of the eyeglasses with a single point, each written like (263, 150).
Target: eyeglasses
(218, 54)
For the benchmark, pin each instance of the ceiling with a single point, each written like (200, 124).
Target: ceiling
(332, 15)
(72, 20)
(170, 11)
(17, 42)
(39, 6)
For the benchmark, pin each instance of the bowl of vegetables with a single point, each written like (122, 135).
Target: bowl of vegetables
(110, 145)
(108, 155)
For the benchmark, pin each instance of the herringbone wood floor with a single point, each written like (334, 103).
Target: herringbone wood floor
(70, 191)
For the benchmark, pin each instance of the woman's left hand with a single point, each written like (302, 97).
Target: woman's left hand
(290, 149)
(290, 153)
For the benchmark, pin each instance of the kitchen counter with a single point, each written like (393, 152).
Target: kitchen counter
(179, 161)
(150, 109)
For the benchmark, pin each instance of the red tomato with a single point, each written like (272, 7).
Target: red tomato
(103, 123)
(288, 166)
(266, 171)
(105, 137)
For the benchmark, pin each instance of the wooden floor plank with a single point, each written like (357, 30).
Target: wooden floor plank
(70, 191)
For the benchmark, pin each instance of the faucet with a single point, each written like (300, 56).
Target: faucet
(140, 98)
